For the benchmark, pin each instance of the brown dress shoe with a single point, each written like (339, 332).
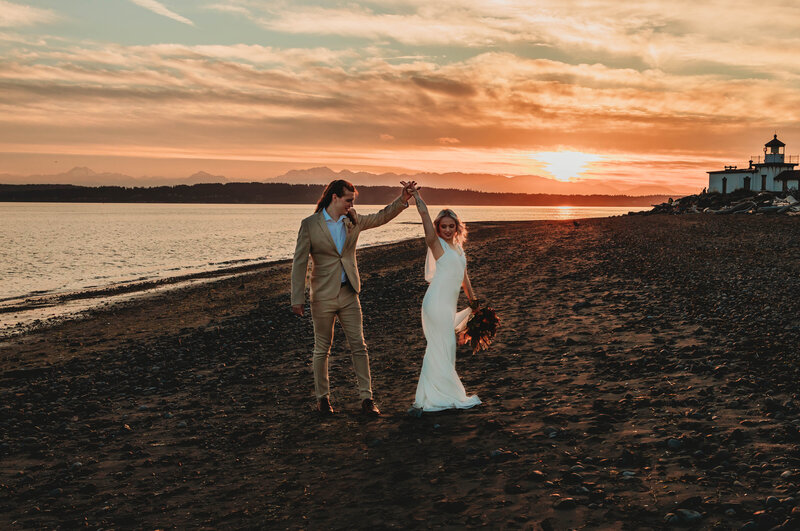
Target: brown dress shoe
(368, 407)
(324, 406)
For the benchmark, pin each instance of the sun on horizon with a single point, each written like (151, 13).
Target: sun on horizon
(564, 165)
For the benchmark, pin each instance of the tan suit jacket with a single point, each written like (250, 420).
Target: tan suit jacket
(315, 239)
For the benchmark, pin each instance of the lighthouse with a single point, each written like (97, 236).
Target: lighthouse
(774, 172)
(774, 151)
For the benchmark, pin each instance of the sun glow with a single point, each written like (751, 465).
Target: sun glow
(564, 165)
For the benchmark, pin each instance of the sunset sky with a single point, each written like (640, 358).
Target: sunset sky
(640, 92)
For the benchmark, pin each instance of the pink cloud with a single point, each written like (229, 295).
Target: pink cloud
(14, 15)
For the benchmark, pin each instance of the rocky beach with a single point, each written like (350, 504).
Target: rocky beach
(646, 376)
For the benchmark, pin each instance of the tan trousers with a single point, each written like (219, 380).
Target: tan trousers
(347, 307)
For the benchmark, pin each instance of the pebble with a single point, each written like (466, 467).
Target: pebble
(674, 444)
(536, 475)
(687, 516)
(502, 455)
(551, 432)
(765, 520)
(565, 504)
(771, 502)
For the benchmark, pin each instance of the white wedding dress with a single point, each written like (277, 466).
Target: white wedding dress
(439, 386)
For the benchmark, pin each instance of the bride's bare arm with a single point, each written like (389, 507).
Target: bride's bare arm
(467, 285)
(431, 239)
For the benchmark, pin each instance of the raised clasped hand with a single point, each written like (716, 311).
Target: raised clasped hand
(410, 189)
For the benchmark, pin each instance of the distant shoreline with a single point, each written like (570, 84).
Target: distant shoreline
(279, 193)
(122, 288)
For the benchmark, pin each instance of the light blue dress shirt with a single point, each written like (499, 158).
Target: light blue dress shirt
(338, 233)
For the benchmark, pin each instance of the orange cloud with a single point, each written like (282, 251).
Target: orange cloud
(647, 89)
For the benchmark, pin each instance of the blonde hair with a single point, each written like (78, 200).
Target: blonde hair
(461, 230)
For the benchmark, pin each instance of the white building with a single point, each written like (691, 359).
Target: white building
(775, 173)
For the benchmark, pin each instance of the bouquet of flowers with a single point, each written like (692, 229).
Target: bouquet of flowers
(481, 328)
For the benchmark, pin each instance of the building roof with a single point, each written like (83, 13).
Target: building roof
(788, 175)
(774, 142)
(743, 170)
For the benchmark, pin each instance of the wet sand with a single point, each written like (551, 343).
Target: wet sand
(646, 375)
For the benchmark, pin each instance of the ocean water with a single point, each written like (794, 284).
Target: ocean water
(55, 248)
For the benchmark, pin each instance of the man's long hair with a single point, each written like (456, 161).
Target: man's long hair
(335, 187)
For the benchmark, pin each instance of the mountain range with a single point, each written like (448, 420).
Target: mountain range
(83, 176)
(530, 184)
(484, 182)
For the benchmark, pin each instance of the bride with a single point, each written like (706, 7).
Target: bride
(439, 387)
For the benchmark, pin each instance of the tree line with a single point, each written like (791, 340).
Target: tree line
(280, 193)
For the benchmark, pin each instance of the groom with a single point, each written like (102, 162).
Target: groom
(330, 236)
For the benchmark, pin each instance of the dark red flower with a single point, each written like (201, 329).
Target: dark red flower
(481, 329)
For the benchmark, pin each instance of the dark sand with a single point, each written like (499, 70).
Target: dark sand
(645, 366)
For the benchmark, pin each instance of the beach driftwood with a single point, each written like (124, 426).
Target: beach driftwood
(737, 202)
(744, 206)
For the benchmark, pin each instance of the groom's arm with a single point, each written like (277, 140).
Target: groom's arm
(300, 269)
(383, 216)
(388, 213)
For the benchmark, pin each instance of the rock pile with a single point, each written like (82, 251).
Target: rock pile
(738, 202)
